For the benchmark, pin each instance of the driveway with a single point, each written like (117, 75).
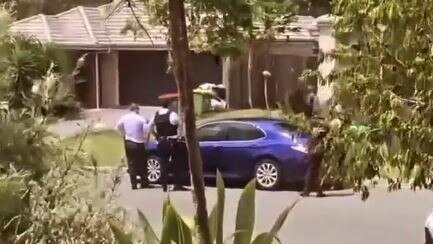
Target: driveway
(106, 118)
(385, 218)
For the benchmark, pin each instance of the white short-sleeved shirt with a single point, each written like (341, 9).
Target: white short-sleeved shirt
(134, 127)
(429, 223)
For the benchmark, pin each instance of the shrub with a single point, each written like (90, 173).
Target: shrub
(176, 230)
(65, 206)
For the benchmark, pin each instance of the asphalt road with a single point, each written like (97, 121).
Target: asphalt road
(385, 218)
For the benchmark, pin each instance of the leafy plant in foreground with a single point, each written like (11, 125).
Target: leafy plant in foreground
(176, 230)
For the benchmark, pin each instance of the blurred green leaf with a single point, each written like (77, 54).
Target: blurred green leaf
(165, 205)
(121, 237)
(282, 218)
(175, 230)
(149, 233)
(246, 215)
(264, 238)
(268, 237)
(216, 218)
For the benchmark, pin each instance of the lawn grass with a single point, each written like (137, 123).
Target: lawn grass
(108, 149)
(105, 146)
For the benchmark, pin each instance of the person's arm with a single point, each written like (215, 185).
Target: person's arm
(174, 118)
(151, 129)
(120, 128)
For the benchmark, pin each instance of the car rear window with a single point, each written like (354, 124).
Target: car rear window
(287, 127)
(243, 132)
(212, 132)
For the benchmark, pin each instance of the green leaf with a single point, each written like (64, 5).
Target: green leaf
(264, 238)
(282, 218)
(268, 237)
(216, 218)
(120, 236)
(175, 230)
(221, 204)
(164, 207)
(232, 236)
(213, 219)
(246, 215)
(149, 233)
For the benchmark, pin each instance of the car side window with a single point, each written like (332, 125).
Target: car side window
(211, 132)
(287, 127)
(243, 132)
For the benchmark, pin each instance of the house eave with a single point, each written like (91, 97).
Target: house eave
(111, 47)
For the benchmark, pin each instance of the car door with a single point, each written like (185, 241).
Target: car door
(239, 150)
(210, 137)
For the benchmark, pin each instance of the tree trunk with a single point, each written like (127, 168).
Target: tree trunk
(250, 74)
(181, 63)
(232, 81)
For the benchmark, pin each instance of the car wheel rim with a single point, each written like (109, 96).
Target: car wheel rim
(267, 175)
(153, 170)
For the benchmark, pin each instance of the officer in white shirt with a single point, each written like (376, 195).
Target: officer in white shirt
(135, 130)
(164, 126)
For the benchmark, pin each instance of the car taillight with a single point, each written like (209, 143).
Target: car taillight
(300, 148)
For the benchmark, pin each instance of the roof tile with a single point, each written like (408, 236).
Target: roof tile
(88, 27)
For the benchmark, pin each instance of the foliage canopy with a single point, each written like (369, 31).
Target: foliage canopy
(381, 124)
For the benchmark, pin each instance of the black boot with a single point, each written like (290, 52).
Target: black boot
(320, 194)
(179, 188)
(133, 182)
(144, 182)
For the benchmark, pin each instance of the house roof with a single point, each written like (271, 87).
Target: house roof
(102, 28)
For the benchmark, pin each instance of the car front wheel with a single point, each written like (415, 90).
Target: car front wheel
(267, 174)
(153, 169)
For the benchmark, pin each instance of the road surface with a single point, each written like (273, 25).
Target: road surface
(385, 218)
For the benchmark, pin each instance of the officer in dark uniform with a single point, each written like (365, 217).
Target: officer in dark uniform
(165, 126)
(315, 157)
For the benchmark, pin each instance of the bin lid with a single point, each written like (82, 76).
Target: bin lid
(168, 96)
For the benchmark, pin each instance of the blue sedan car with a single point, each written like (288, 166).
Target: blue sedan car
(269, 150)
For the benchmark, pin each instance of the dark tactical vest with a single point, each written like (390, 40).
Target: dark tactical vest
(163, 126)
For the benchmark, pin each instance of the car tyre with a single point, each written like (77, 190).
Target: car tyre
(153, 169)
(267, 174)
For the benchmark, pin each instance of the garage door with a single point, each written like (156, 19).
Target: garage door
(143, 75)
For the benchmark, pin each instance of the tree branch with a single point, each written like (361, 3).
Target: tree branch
(139, 21)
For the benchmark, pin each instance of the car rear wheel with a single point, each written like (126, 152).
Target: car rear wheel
(153, 169)
(267, 174)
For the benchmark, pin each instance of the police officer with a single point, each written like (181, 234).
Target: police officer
(315, 157)
(135, 130)
(164, 125)
(312, 102)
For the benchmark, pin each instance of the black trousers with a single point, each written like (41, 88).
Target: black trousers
(428, 237)
(174, 158)
(137, 162)
(312, 181)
